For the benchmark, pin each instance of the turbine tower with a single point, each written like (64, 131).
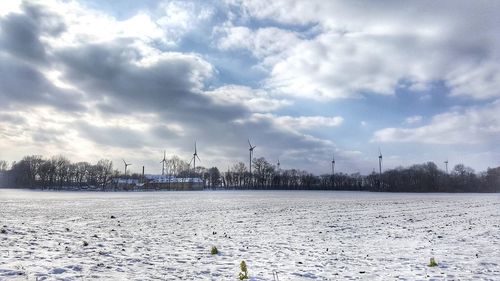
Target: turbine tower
(195, 155)
(446, 164)
(333, 164)
(163, 162)
(126, 165)
(251, 155)
(278, 164)
(379, 161)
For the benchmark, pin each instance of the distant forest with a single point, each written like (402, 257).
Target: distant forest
(59, 173)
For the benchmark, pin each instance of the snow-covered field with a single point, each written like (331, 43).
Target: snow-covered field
(299, 235)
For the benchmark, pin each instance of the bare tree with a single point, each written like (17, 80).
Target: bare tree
(4, 166)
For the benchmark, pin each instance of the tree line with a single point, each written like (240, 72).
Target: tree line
(58, 172)
(425, 177)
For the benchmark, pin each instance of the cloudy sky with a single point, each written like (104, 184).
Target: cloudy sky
(95, 79)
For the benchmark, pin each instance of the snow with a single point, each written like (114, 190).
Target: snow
(299, 235)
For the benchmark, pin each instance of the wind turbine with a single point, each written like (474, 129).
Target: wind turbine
(195, 155)
(333, 164)
(278, 164)
(446, 164)
(251, 154)
(164, 161)
(379, 161)
(126, 165)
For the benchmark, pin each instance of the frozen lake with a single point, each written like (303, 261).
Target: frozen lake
(299, 234)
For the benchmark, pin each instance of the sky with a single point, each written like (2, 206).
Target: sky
(303, 80)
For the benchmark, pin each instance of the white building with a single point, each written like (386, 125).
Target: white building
(170, 179)
(126, 181)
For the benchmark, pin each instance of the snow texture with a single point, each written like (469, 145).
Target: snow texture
(299, 235)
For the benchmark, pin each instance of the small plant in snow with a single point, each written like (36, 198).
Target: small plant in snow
(244, 270)
(433, 263)
(85, 243)
(214, 250)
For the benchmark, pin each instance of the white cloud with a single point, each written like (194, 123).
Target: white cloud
(235, 37)
(268, 44)
(413, 119)
(180, 17)
(369, 47)
(165, 26)
(254, 100)
(297, 124)
(85, 26)
(473, 125)
(481, 81)
(7, 7)
(307, 122)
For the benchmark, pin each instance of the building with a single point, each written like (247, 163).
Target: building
(170, 179)
(166, 182)
(122, 181)
(160, 182)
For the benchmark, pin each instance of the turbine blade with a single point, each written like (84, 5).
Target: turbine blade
(249, 143)
(198, 157)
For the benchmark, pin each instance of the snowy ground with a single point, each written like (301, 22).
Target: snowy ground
(300, 235)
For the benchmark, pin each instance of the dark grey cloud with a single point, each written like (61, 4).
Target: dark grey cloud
(164, 132)
(45, 136)
(20, 32)
(49, 22)
(107, 73)
(19, 35)
(12, 118)
(110, 135)
(23, 58)
(24, 85)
